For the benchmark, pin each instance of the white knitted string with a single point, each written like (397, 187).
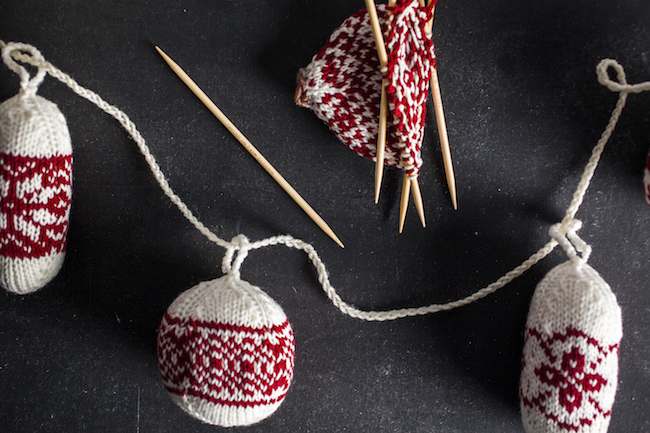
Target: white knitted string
(241, 243)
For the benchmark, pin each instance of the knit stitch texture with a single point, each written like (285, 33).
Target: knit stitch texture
(570, 359)
(35, 190)
(226, 352)
(342, 83)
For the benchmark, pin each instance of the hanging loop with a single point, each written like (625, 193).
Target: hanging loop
(569, 240)
(28, 86)
(622, 85)
(230, 267)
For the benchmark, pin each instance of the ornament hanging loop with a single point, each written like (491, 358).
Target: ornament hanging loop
(230, 267)
(571, 242)
(28, 85)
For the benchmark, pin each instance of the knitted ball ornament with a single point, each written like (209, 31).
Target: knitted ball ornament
(570, 357)
(35, 184)
(226, 352)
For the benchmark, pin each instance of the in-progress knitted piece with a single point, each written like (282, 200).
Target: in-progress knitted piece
(342, 84)
(570, 359)
(410, 61)
(226, 352)
(35, 184)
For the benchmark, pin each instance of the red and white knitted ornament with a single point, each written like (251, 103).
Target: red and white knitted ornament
(570, 358)
(342, 84)
(226, 349)
(35, 183)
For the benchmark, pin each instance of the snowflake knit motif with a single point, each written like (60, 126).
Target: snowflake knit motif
(35, 186)
(342, 83)
(570, 358)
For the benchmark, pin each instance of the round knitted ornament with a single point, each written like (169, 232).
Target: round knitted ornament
(35, 183)
(226, 352)
(342, 83)
(570, 357)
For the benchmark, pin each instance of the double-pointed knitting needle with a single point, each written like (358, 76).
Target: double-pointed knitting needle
(383, 103)
(383, 116)
(249, 147)
(442, 129)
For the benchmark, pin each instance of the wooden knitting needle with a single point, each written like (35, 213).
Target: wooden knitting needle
(404, 202)
(442, 130)
(383, 115)
(383, 103)
(249, 147)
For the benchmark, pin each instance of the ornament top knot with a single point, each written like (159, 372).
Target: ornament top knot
(35, 182)
(226, 351)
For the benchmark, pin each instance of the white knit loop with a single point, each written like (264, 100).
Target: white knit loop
(228, 266)
(621, 86)
(569, 240)
(28, 86)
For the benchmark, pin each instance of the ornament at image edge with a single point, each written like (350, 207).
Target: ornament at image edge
(35, 184)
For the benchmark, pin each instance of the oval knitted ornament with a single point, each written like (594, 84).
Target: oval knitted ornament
(226, 352)
(35, 184)
(570, 357)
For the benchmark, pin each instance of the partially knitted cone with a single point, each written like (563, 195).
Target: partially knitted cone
(570, 358)
(226, 352)
(35, 192)
(342, 83)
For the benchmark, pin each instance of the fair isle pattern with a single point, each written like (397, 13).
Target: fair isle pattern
(410, 64)
(570, 358)
(342, 85)
(35, 192)
(231, 368)
(571, 376)
(35, 198)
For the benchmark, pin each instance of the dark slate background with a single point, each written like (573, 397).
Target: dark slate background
(524, 110)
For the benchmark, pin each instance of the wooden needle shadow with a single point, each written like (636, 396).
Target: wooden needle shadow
(249, 147)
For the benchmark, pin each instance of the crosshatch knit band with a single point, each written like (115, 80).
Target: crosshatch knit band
(226, 352)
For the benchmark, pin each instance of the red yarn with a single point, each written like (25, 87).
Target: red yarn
(574, 380)
(210, 360)
(35, 199)
(342, 84)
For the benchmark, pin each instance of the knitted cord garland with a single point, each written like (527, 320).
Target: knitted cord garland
(560, 375)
